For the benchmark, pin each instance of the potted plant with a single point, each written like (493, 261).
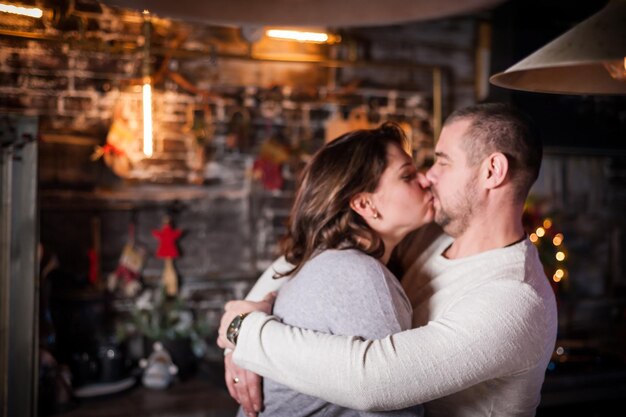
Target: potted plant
(157, 317)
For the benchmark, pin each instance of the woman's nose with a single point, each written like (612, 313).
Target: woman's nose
(430, 176)
(423, 181)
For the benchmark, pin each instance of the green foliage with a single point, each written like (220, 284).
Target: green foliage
(156, 316)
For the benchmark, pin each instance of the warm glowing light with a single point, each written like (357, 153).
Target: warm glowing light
(617, 68)
(540, 231)
(558, 239)
(547, 223)
(296, 35)
(147, 119)
(533, 237)
(22, 11)
(560, 350)
(558, 276)
(560, 256)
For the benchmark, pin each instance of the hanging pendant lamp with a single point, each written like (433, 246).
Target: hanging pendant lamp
(588, 59)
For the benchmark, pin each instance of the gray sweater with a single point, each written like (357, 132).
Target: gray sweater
(484, 331)
(343, 292)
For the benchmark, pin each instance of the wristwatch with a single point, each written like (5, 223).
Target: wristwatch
(233, 328)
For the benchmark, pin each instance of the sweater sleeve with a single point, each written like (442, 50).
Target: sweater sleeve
(266, 282)
(471, 343)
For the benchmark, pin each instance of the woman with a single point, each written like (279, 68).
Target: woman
(359, 196)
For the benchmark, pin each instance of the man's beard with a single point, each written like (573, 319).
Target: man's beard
(455, 217)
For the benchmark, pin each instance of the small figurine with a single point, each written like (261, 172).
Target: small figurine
(159, 370)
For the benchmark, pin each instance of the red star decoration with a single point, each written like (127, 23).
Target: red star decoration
(167, 241)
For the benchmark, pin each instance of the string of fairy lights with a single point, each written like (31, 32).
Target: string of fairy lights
(544, 237)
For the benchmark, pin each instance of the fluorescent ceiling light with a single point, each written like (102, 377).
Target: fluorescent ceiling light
(297, 35)
(20, 10)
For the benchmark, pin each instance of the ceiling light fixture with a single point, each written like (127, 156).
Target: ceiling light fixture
(22, 11)
(301, 36)
(147, 89)
(588, 59)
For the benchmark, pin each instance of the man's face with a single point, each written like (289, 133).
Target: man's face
(453, 181)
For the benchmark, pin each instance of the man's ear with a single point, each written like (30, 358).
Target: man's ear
(496, 169)
(361, 203)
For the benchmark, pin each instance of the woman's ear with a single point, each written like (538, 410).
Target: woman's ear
(496, 169)
(361, 203)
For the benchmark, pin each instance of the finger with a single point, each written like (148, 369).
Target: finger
(224, 343)
(267, 303)
(225, 321)
(270, 297)
(255, 391)
(230, 384)
(229, 377)
(243, 392)
(240, 306)
(221, 342)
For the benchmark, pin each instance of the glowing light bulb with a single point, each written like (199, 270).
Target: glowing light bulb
(540, 231)
(147, 118)
(296, 35)
(533, 238)
(547, 223)
(558, 239)
(22, 11)
(560, 256)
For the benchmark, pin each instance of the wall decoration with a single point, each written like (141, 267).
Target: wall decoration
(167, 251)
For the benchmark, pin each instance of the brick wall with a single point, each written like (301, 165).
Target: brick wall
(78, 81)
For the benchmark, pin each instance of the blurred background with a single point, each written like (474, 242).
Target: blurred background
(150, 153)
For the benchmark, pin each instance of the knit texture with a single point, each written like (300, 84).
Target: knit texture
(343, 292)
(485, 331)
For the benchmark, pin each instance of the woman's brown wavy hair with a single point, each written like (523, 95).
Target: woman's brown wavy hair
(321, 217)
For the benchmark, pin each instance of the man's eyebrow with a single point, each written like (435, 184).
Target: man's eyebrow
(442, 155)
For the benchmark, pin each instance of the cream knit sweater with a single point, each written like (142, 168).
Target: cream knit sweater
(485, 328)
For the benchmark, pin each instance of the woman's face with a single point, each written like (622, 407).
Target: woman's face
(401, 198)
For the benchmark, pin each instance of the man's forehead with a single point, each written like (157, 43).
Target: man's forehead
(449, 145)
(455, 129)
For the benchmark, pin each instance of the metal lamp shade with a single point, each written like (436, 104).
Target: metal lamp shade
(329, 13)
(574, 63)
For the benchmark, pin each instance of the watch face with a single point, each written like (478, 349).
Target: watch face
(233, 329)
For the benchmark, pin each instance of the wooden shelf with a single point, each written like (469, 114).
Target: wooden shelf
(134, 197)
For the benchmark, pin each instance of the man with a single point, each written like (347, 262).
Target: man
(484, 319)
